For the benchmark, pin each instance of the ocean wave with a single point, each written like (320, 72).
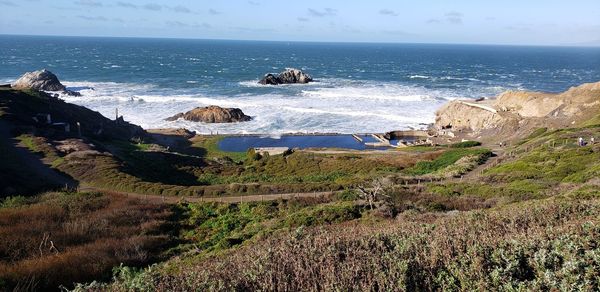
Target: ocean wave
(332, 105)
(418, 77)
(381, 116)
(376, 91)
(460, 78)
(254, 83)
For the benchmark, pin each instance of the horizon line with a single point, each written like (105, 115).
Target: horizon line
(315, 42)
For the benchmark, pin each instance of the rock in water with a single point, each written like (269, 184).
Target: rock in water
(288, 76)
(213, 114)
(39, 80)
(269, 79)
(42, 80)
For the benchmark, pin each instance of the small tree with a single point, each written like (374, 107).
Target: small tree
(375, 192)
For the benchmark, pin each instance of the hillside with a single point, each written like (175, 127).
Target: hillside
(527, 222)
(453, 217)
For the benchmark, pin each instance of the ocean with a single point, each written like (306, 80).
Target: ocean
(360, 88)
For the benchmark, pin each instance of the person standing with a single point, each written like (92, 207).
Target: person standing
(580, 141)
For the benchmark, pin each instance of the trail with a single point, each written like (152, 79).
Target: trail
(227, 199)
(490, 162)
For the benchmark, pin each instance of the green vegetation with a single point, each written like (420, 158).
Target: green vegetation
(216, 227)
(537, 133)
(14, 202)
(547, 164)
(466, 144)
(39, 145)
(528, 220)
(29, 142)
(135, 169)
(538, 245)
(446, 159)
(209, 146)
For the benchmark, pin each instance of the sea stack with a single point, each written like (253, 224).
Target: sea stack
(213, 114)
(41, 80)
(289, 76)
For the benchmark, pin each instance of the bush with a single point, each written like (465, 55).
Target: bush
(14, 202)
(446, 159)
(542, 245)
(347, 195)
(465, 144)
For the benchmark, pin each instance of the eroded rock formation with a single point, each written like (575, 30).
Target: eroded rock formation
(515, 113)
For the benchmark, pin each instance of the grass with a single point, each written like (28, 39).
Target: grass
(17, 177)
(446, 159)
(465, 144)
(167, 173)
(564, 164)
(58, 238)
(29, 142)
(213, 227)
(538, 245)
(544, 166)
(210, 148)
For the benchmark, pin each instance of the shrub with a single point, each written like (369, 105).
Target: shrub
(542, 245)
(465, 144)
(447, 158)
(14, 202)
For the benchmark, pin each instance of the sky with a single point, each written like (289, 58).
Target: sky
(514, 22)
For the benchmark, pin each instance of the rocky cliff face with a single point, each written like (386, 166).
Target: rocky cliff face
(213, 114)
(288, 76)
(515, 113)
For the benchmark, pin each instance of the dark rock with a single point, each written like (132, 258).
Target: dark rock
(71, 93)
(269, 79)
(289, 76)
(213, 114)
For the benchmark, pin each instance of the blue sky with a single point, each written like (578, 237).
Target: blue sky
(521, 22)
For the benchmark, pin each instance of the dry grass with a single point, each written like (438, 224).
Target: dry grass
(66, 238)
(540, 245)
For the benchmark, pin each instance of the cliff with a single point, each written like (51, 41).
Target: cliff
(514, 114)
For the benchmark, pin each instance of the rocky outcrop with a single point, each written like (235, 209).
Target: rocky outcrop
(289, 76)
(42, 80)
(515, 113)
(213, 114)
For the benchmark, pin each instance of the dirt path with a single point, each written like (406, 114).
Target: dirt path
(228, 199)
(490, 162)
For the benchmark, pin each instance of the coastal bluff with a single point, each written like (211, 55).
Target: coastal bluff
(517, 113)
(212, 114)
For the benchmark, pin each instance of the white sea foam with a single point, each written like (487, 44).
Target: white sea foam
(381, 92)
(418, 77)
(331, 105)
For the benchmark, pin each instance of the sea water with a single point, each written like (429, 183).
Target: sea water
(359, 88)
